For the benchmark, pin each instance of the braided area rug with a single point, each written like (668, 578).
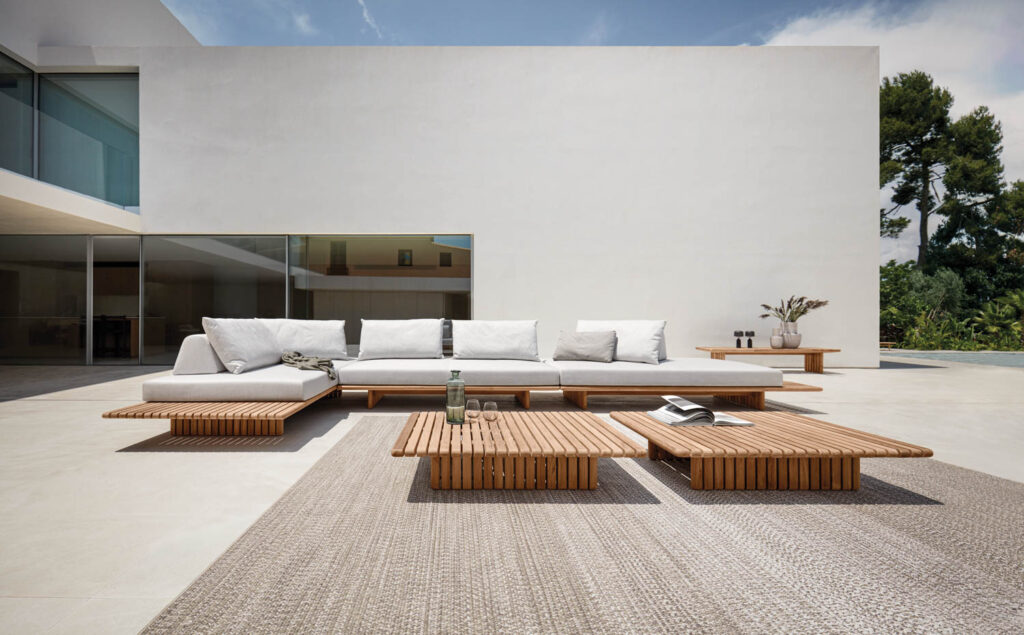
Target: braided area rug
(362, 544)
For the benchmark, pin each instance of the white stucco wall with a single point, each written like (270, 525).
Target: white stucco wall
(689, 184)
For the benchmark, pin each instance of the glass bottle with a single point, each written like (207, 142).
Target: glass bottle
(455, 405)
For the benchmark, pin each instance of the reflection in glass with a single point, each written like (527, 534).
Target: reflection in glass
(89, 134)
(358, 277)
(189, 277)
(15, 116)
(42, 299)
(115, 300)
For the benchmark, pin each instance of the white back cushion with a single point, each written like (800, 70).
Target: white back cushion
(634, 338)
(495, 339)
(197, 357)
(242, 345)
(315, 338)
(400, 339)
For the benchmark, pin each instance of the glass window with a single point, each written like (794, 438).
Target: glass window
(42, 299)
(369, 283)
(189, 277)
(15, 116)
(115, 300)
(89, 135)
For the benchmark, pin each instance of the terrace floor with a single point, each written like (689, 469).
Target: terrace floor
(104, 522)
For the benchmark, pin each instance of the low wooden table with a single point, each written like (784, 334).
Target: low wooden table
(814, 358)
(518, 450)
(781, 450)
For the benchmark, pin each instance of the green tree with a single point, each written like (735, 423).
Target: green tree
(914, 136)
(921, 150)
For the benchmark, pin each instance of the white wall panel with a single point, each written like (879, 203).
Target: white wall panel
(689, 184)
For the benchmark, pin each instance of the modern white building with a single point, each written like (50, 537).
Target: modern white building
(146, 181)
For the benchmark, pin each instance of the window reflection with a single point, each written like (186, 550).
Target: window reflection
(188, 277)
(115, 303)
(355, 277)
(15, 116)
(89, 134)
(42, 299)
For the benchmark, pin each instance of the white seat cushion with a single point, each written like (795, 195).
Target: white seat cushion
(395, 372)
(687, 371)
(628, 332)
(273, 383)
(495, 339)
(401, 339)
(242, 345)
(505, 372)
(313, 338)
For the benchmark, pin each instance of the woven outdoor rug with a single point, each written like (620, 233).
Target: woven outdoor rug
(362, 544)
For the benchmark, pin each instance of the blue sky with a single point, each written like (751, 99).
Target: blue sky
(975, 48)
(491, 22)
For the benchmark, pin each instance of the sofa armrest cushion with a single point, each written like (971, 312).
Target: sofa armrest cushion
(242, 345)
(197, 357)
(586, 346)
(400, 339)
(495, 339)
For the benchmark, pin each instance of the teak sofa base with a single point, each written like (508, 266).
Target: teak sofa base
(375, 393)
(219, 418)
(748, 396)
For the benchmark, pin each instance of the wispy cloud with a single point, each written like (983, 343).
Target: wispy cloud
(200, 20)
(369, 20)
(303, 24)
(597, 32)
(974, 49)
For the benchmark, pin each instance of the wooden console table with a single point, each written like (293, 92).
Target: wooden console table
(814, 358)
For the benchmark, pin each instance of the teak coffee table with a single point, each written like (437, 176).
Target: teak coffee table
(518, 450)
(781, 450)
(814, 358)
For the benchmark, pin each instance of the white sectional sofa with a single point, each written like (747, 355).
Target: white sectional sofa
(493, 357)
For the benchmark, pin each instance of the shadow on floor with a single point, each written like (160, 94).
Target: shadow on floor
(19, 382)
(615, 487)
(873, 491)
(887, 365)
(313, 422)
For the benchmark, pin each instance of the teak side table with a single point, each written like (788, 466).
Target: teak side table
(814, 358)
(518, 450)
(782, 450)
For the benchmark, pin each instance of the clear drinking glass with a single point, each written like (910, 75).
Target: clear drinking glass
(473, 408)
(490, 410)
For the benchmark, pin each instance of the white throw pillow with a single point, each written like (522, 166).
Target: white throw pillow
(242, 345)
(400, 339)
(634, 338)
(313, 338)
(197, 357)
(495, 339)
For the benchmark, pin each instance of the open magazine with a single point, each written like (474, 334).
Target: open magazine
(680, 412)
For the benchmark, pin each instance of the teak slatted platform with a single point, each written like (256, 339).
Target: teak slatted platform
(218, 418)
(375, 393)
(749, 396)
(518, 450)
(814, 358)
(781, 450)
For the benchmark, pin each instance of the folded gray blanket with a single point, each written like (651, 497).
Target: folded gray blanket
(302, 362)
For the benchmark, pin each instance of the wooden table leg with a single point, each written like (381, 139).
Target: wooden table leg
(717, 355)
(814, 363)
